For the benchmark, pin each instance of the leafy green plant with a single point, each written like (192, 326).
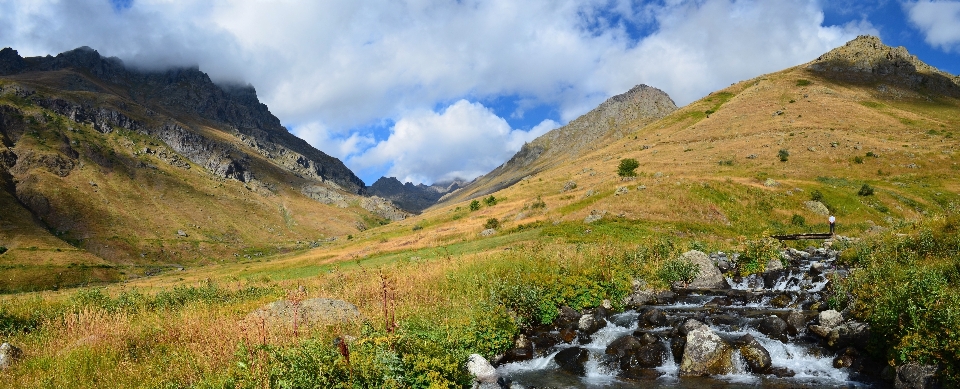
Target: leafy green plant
(865, 190)
(871, 154)
(783, 154)
(815, 195)
(628, 167)
(756, 254)
(858, 159)
(492, 223)
(803, 82)
(474, 205)
(538, 203)
(798, 220)
(678, 270)
(490, 201)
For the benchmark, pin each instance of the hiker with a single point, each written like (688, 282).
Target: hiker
(833, 221)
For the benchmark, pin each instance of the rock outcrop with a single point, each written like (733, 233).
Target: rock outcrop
(410, 197)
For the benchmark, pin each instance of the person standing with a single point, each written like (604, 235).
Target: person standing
(833, 222)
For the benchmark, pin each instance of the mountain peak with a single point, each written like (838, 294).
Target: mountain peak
(866, 59)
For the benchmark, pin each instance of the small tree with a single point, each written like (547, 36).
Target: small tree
(490, 201)
(783, 154)
(492, 223)
(474, 205)
(628, 167)
(865, 190)
(815, 195)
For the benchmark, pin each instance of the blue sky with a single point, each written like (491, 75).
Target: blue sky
(428, 90)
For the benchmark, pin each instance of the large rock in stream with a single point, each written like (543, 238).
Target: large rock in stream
(705, 353)
(572, 360)
(710, 276)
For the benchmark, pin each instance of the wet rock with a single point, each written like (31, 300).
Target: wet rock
(666, 297)
(591, 323)
(9, 354)
(572, 360)
(705, 353)
(640, 374)
(774, 327)
(796, 322)
(639, 298)
(771, 278)
(652, 318)
(754, 354)
(846, 358)
(718, 302)
(481, 369)
(742, 296)
(522, 350)
(781, 301)
(916, 376)
(817, 268)
(830, 318)
(782, 372)
(677, 344)
(622, 347)
(544, 340)
(567, 316)
(568, 334)
(710, 276)
(727, 320)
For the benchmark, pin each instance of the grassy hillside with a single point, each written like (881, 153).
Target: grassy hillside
(719, 174)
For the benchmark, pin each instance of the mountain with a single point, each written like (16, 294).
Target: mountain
(109, 172)
(612, 120)
(410, 197)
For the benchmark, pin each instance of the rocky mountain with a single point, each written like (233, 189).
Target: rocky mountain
(410, 197)
(613, 119)
(109, 172)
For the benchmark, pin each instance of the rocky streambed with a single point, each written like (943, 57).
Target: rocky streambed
(722, 331)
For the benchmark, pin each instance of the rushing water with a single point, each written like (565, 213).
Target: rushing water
(795, 288)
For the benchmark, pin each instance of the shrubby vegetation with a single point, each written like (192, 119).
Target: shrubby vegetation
(908, 289)
(628, 167)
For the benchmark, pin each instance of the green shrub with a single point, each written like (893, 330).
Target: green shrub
(871, 154)
(798, 220)
(783, 154)
(490, 201)
(726, 162)
(3, 249)
(628, 167)
(865, 190)
(474, 205)
(858, 159)
(756, 254)
(678, 270)
(815, 195)
(538, 204)
(417, 227)
(803, 82)
(491, 223)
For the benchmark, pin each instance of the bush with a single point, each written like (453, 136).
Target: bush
(628, 167)
(474, 205)
(538, 204)
(783, 154)
(490, 201)
(756, 254)
(492, 223)
(417, 227)
(802, 82)
(798, 220)
(865, 190)
(815, 195)
(3, 249)
(871, 154)
(858, 159)
(678, 270)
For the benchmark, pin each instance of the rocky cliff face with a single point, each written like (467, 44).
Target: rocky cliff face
(613, 119)
(410, 197)
(189, 96)
(867, 59)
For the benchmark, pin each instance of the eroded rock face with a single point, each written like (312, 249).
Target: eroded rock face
(325, 195)
(705, 352)
(383, 208)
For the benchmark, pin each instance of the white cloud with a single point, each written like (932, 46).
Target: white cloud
(938, 20)
(347, 64)
(464, 140)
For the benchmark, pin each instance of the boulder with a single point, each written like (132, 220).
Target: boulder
(567, 316)
(754, 354)
(817, 207)
(796, 322)
(830, 318)
(572, 360)
(594, 216)
(652, 318)
(705, 353)
(651, 353)
(9, 354)
(591, 323)
(639, 298)
(916, 376)
(481, 369)
(774, 327)
(568, 334)
(781, 301)
(622, 347)
(710, 276)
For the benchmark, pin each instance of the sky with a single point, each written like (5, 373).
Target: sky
(431, 90)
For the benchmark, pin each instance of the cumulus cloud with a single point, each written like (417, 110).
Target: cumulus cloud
(464, 140)
(938, 20)
(331, 68)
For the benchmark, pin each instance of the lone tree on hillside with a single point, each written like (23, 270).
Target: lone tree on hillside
(783, 154)
(628, 167)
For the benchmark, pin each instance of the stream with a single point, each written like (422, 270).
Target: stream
(757, 305)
